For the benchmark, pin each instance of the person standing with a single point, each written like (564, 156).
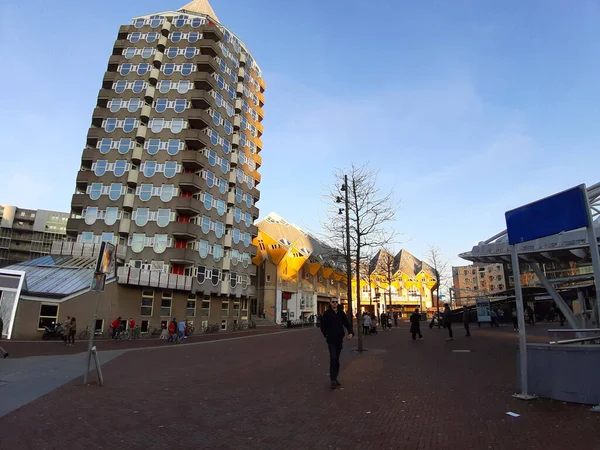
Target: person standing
(115, 326)
(131, 327)
(366, 323)
(2, 351)
(65, 329)
(182, 327)
(415, 325)
(72, 332)
(332, 326)
(530, 315)
(448, 321)
(395, 318)
(383, 320)
(515, 319)
(172, 331)
(467, 320)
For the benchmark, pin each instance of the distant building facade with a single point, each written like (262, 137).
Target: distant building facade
(27, 234)
(475, 281)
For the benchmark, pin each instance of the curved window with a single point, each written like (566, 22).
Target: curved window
(250, 182)
(134, 37)
(235, 256)
(115, 105)
(143, 68)
(104, 145)
(245, 259)
(171, 52)
(240, 176)
(187, 68)
(87, 237)
(228, 127)
(177, 125)
(193, 36)
(205, 224)
(129, 52)
(157, 125)
(167, 192)
(203, 248)
(222, 185)
(149, 168)
(235, 235)
(120, 168)
(176, 36)
(180, 105)
(189, 52)
(246, 239)
(170, 169)
(124, 145)
(226, 146)
(161, 105)
(233, 76)
(151, 37)
(233, 279)
(184, 86)
(245, 282)
(111, 215)
(156, 22)
(91, 214)
(221, 207)
(249, 201)
(248, 221)
(110, 125)
(201, 276)
(100, 168)
(120, 86)
(169, 68)
(161, 242)
(238, 195)
(216, 277)
(141, 216)
(138, 86)
(214, 137)
(134, 105)
(237, 215)
(217, 119)
(145, 192)
(212, 157)
(115, 191)
(210, 178)
(224, 166)
(147, 52)
(208, 201)
(139, 23)
(95, 191)
(231, 92)
(173, 146)
(138, 242)
(128, 125)
(196, 22)
(164, 86)
(217, 252)
(219, 229)
(153, 146)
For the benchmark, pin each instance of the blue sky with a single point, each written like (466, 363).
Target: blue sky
(468, 108)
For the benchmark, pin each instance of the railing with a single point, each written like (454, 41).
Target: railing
(580, 333)
(153, 278)
(77, 249)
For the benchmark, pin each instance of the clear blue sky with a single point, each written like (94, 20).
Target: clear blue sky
(468, 108)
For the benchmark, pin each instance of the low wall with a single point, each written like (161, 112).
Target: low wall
(569, 373)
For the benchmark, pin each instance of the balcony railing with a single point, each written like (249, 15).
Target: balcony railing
(78, 249)
(153, 278)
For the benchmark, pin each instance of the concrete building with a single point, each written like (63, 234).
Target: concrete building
(298, 275)
(477, 281)
(401, 283)
(169, 171)
(27, 234)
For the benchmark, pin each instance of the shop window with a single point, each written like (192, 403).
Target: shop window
(147, 303)
(48, 316)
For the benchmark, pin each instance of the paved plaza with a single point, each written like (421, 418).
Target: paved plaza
(271, 391)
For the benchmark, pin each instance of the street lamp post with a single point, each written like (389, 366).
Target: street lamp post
(348, 257)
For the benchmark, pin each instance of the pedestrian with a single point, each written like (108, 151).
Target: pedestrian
(172, 331)
(561, 317)
(448, 321)
(415, 325)
(131, 327)
(164, 334)
(373, 323)
(182, 327)
(395, 318)
(530, 315)
(115, 326)
(383, 320)
(2, 351)
(515, 319)
(72, 332)
(467, 320)
(500, 313)
(332, 327)
(65, 329)
(366, 319)
(389, 321)
(494, 319)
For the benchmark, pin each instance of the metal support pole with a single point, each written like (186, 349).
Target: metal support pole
(593, 241)
(556, 297)
(91, 341)
(524, 395)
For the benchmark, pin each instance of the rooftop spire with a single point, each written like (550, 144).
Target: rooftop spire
(200, 7)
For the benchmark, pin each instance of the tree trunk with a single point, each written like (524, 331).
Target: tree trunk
(359, 333)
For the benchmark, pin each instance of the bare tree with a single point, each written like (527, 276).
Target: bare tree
(370, 214)
(384, 271)
(440, 269)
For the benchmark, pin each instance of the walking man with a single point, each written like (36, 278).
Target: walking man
(415, 325)
(448, 321)
(332, 327)
(467, 320)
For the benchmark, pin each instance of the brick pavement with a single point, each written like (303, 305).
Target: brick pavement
(272, 391)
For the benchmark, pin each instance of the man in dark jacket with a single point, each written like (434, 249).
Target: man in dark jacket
(415, 325)
(467, 320)
(332, 327)
(448, 320)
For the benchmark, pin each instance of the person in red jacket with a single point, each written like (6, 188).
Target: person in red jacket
(131, 327)
(172, 331)
(115, 326)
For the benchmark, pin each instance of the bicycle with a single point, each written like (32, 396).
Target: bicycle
(212, 328)
(85, 333)
(190, 330)
(251, 324)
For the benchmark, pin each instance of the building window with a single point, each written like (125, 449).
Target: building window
(99, 328)
(223, 325)
(144, 326)
(190, 309)
(165, 304)
(205, 307)
(225, 308)
(147, 303)
(48, 316)
(236, 308)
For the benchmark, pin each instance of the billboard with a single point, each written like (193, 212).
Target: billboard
(483, 310)
(107, 259)
(567, 210)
